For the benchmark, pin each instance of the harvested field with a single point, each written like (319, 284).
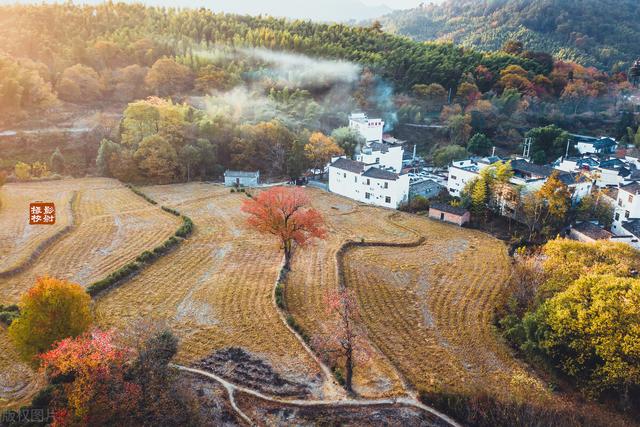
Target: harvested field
(215, 289)
(429, 309)
(18, 240)
(112, 226)
(314, 274)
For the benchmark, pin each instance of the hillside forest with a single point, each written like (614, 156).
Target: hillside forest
(189, 93)
(571, 30)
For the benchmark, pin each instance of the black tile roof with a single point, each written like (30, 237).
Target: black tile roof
(633, 188)
(380, 174)
(349, 165)
(591, 230)
(376, 146)
(448, 208)
(530, 168)
(632, 227)
(241, 174)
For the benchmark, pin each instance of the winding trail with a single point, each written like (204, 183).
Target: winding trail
(232, 388)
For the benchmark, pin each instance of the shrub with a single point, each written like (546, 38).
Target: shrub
(141, 194)
(186, 228)
(170, 210)
(280, 296)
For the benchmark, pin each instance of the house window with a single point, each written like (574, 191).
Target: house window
(441, 216)
(387, 199)
(627, 214)
(377, 159)
(368, 181)
(355, 178)
(386, 185)
(618, 216)
(367, 195)
(619, 202)
(345, 174)
(630, 198)
(453, 177)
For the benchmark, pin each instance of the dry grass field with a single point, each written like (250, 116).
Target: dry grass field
(426, 310)
(215, 289)
(429, 309)
(314, 274)
(112, 226)
(18, 240)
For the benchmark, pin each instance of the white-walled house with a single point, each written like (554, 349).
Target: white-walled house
(370, 129)
(627, 207)
(367, 183)
(383, 155)
(241, 178)
(591, 145)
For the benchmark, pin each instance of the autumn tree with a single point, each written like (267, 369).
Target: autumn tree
(167, 77)
(285, 213)
(592, 332)
(546, 210)
(95, 391)
(320, 149)
(566, 261)
(345, 344)
(22, 171)
(157, 159)
(80, 84)
(50, 311)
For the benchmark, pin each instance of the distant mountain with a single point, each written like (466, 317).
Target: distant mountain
(318, 10)
(603, 33)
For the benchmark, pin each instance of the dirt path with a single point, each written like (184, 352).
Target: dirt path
(232, 388)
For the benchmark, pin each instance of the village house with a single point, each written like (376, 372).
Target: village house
(448, 213)
(368, 183)
(370, 129)
(586, 231)
(592, 145)
(627, 207)
(384, 155)
(241, 178)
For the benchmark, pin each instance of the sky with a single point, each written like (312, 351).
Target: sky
(318, 10)
(395, 4)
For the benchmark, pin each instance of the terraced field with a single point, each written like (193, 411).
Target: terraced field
(214, 290)
(314, 274)
(18, 240)
(111, 227)
(429, 310)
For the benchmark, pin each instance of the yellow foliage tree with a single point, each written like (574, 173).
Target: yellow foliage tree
(50, 311)
(568, 260)
(22, 171)
(593, 332)
(320, 149)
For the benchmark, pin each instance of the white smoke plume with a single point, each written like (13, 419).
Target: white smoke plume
(301, 71)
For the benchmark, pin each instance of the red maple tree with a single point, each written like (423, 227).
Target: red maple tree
(98, 392)
(285, 213)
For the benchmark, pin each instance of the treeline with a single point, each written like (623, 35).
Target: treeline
(160, 141)
(86, 53)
